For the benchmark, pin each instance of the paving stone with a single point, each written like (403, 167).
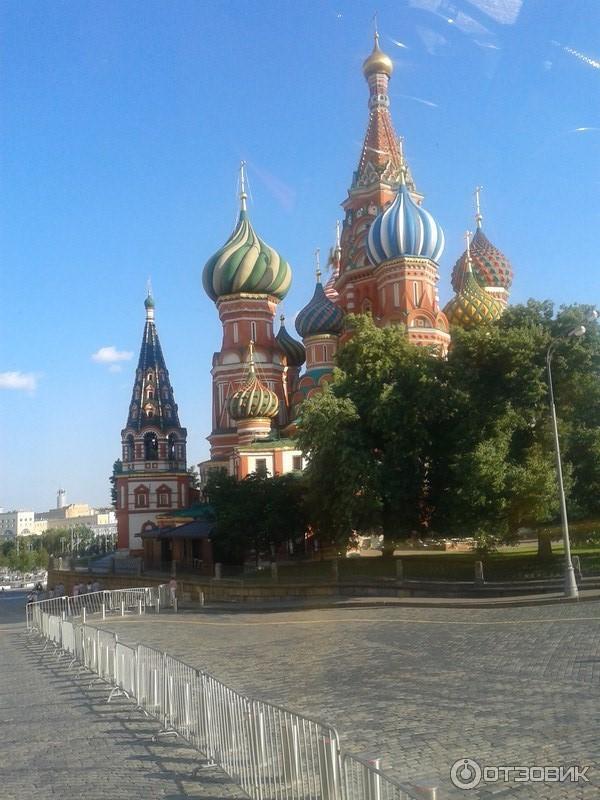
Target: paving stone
(421, 687)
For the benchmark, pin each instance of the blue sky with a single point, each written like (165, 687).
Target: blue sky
(122, 125)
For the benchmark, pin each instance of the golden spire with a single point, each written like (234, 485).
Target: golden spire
(378, 61)
(251, 367)
(468, 241)
(243, 194)
(478, 214)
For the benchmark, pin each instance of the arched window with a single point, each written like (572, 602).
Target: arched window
(150, 446)
(172, 447)
(366, 305)
(149, 526)
(163, 497)
(142, 497)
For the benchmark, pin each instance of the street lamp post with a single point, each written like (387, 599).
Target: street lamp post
(571, 590)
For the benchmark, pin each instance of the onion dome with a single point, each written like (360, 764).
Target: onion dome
(404, 229)
(292, 349)
(149, 301)
(378, 61)
(472, 305)
(490, 266)
(246, 263)
(320, 315)
(254, 399)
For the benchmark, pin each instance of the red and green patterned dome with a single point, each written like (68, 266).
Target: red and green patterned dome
(491, 267)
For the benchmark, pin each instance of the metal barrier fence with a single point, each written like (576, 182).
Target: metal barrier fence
(269, 751)
(105, 602)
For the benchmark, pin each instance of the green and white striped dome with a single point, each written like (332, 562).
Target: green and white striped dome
(246, 264)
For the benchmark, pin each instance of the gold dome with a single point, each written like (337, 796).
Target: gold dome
(378, 61)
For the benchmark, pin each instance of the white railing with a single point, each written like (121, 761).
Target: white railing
(270, 752)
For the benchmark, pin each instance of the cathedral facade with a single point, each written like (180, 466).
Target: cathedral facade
(385, 262)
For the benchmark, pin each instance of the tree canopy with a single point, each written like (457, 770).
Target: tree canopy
(407, 441)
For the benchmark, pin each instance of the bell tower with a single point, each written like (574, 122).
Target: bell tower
(154, 476)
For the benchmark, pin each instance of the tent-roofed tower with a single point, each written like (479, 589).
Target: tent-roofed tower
(373, 187)
(154, 475)
(383, 176)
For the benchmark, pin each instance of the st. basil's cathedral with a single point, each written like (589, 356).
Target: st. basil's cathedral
(385, 262)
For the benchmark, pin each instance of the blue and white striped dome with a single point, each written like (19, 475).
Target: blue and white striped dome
(404, 229)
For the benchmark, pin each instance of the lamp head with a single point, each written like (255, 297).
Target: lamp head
(578, 331)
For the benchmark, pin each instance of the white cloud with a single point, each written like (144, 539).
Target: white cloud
(506, 12)
(110, 355)
(26, 381)
(429, 103)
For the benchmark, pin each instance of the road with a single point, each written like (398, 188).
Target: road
(60, 741)
(419, 687)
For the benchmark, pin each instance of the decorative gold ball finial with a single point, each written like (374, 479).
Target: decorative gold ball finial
(378, 61)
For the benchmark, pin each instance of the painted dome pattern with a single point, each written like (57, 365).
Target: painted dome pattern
(490, 266)
(246, 263)
(292, 349)
(472, 305)
(253, 400)
(404, 229)
(320, 315)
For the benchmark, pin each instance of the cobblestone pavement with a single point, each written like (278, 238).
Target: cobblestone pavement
(60, 741)
(419, 687)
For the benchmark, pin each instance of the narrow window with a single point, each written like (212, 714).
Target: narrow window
(261, 466)
(297, 463)
(416, 293)
(253, 331)
(236, 332)
(396, 294)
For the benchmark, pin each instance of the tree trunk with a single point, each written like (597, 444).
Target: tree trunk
(544, 552)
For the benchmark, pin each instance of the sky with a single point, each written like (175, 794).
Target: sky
(122, 125)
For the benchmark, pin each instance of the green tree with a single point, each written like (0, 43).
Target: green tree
(117, 470)
(461, 445)
(370, 438)
(255, 515)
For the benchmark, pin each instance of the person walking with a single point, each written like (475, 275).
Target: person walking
(173, 591)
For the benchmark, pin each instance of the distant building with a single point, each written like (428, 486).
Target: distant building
(17, 523)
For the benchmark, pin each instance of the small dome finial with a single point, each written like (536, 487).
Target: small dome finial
(468, 235)
(282, 318)
(318, 264)
(243, 194)
(251, 365)
(378, 61)
(478, 214)
(149, 301)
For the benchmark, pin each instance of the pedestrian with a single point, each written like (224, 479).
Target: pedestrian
(95, 586)
(89, 587)
(173, 590)
(75, 589)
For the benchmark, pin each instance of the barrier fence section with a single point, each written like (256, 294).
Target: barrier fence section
(269, 751)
